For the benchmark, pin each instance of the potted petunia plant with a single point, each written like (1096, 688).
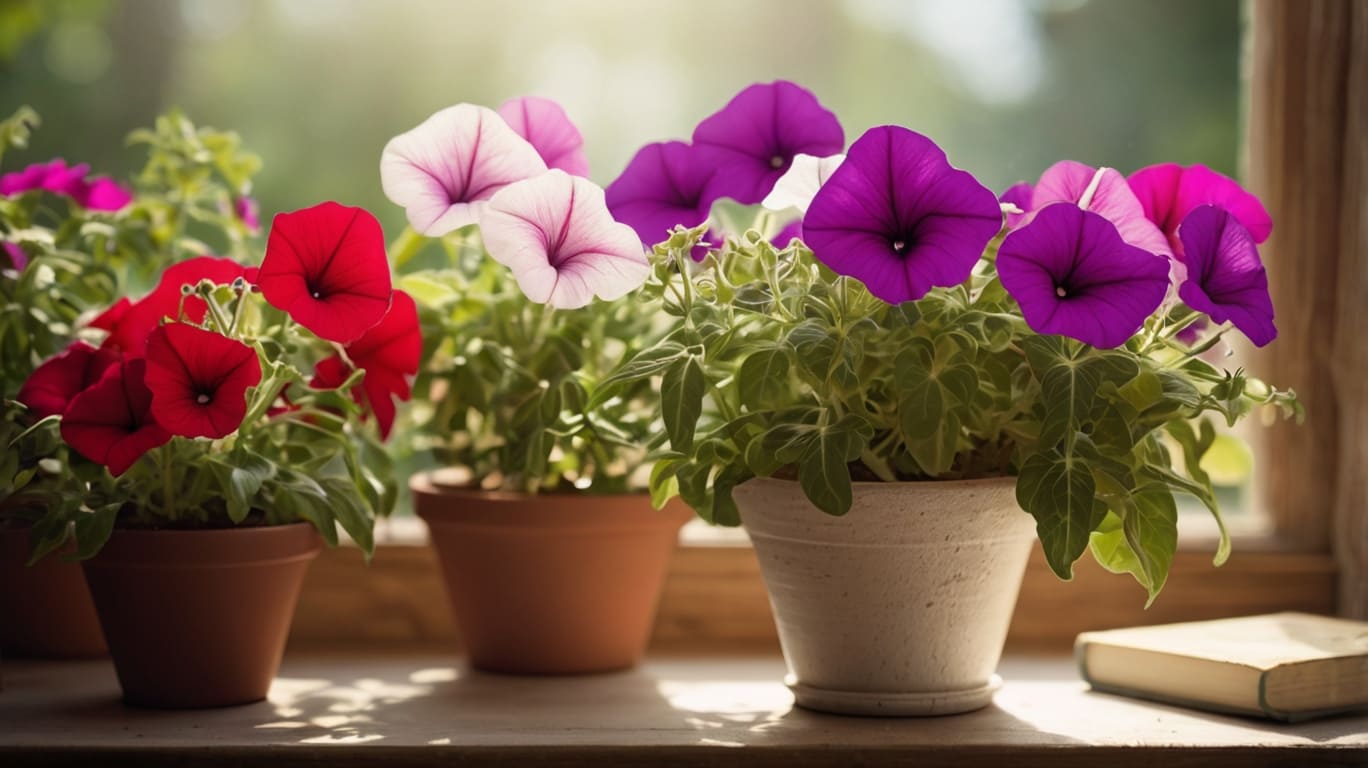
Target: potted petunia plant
(70, 243)
(217, 438)
(878, 400)
(553, 556)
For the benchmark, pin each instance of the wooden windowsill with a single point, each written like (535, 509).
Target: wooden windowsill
(339, 711)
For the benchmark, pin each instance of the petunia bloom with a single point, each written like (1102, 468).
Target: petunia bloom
(389, 353)
(752, 141)
(555, 233)
(1103, 191)
(248, 212)
(1018, 195)
(444, 171)
(53, 385)
(111, 421)
(97, 194)
(797, 187)
(1074, 275)
(544, 124)
(199, 380)
(662, 187)
(15, 255)
(327, 267)
(1169, 192)
(130, 322)
(1225, 278)
(899, 218)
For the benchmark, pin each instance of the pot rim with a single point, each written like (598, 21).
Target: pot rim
(208, 548)
(939, 485)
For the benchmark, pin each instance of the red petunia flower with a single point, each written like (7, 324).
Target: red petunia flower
(111, 421)
(130, 322)
(326, 266)
(199, 380)
(389, 354)
(53, 384)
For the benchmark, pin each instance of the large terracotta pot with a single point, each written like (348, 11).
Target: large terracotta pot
(199, 618)
(901, 606)
(45, 609)
(550, 584)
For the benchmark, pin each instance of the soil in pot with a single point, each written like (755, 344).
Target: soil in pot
(45, 609)
(199, 618)
(550, 584)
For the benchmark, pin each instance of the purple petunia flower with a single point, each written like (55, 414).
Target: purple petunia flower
(1019, 194)
(15, 255)
(1225, 277)
(1169, 192)
(97, 194)
(1103, 191)
(753, 139)
(1074, 276)
(899, 218)
(661, 188)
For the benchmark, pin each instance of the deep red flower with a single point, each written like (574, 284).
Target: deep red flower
(53, 384)
(326, 266)
(130, 322)
(199, 380)
(389, 354)
(111, 421)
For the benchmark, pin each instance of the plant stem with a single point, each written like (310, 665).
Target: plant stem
(405, 247)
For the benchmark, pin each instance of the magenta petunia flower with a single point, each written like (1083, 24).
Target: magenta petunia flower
(1074, 275)
(753, 139)
(248, 212)
(16, 257)
(1169, 192)
(663, 186)
(548, 129)
(1103, 191)
(555, 233)
(1018, 194)
(1225, 277)
(444, 171)
(97, 194)
(899, 218)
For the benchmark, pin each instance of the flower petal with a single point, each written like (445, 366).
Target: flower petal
(661, 188)
(797, 187)
(1019, 195)
(555, 233)
(129, 322)
(753, 139)
(1226, 279)
(899, 218)
(199, 380)
(443, 171)
(110, 422)
(1074, 275)
(548, 129)
(1169, 192)
(52, 385)
(1108, 196)
(327, 267)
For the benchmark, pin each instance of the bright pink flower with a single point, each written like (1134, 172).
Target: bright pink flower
(248, 212)
(1169, 192)
(326, 266)
(129, 323)
(97, 194)
(556, 234)
(1104, 192)
(444, 171)
(199, 380)
(52, 385)
(548, 129)
(389, 353)
(15, 255)
(111, 421)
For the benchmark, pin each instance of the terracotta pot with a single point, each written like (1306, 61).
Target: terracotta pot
(45, 609)
(901, 606)
(550, 584)
(199, 618)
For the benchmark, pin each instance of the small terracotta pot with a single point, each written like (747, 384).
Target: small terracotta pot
(550, 584)
(901, 606)
(45, 609)
(199, 618)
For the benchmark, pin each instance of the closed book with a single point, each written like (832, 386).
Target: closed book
(1284, 666)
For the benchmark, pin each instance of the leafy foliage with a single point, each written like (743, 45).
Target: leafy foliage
(797, 372)
(518, 393)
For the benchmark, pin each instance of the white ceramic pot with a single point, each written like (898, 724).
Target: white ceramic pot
(901, 606)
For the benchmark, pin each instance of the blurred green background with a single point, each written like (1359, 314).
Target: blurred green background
(318, 86)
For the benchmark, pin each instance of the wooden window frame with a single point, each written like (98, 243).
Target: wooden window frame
(1307, 158)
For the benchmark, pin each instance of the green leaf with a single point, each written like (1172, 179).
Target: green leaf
(350, 511)
(240, 476)
(1197, 484)
(920, 408)
(762, 376)
(663, 483)
(681, 401)
(1111, 551)
(828, 359)
(1151, 529)
(1059, 492)
(824, 471)
(94, 528)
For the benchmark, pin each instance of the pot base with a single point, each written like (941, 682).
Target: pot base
(888, 704)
